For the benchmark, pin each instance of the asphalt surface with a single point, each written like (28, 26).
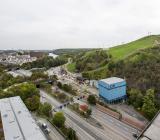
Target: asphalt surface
(116, 125)
(54, 134)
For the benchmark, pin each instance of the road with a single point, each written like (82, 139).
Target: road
(54, 134)
(84, 130)
(116, 125)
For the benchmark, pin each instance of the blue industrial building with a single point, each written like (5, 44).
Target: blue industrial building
(112, 89)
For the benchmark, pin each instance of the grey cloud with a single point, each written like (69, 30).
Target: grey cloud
(50, 24)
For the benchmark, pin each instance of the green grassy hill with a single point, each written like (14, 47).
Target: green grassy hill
(118, 53)
(122, 51)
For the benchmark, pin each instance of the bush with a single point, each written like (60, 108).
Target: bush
(28, 93)
(59, 119)
(68, 88)
(71, 134)
(59, 84)
(45, 109)
(91, 99)
(32, 103)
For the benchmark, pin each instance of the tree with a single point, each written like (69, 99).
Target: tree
(111, 65)
(28, 93)
(38, 75)
(59, 84)
(59, 119)
(135, 98)
(32, 103)
(46, 62)
(71, 134)
(88, 112)
(46, 109)
(91, 99)
(149, 104)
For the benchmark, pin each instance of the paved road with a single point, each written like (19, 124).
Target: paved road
(115, 124)
(84, 130)
(81, 133)
(54, 134)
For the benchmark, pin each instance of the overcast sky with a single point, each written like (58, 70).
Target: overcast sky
(52, 24)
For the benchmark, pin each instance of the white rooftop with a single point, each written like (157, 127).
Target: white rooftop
(112, 80)
(17, 121)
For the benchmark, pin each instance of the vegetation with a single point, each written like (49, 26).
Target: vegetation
(122, 51)
(32, 103)
(46, 62)
(38, 75)
(91, 60)
(28, 93)
(149, 107)
(91, 99)
(71, 134)
(7, 80)
(59, 119)
(71, 67)
(70, 51)
(2, 69)
(46, 87)
(141, 71)
(86, 112)
(60, 97)
(100, 70)
(138, 62)
(67, 88)
(45, 109)
(135, 98)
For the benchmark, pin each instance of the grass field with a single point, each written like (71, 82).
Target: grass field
(122, 51)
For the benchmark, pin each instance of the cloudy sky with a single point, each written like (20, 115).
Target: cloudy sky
(50, 24)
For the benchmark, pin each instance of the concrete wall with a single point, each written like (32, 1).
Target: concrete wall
(132, 122)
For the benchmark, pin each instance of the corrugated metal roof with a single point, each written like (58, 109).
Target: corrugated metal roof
(23, 126)
(113, 80)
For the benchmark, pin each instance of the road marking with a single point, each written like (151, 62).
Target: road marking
(118, 124)
(126, 128)
(111, 121)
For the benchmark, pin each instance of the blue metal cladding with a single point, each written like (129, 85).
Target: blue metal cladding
(112, 92)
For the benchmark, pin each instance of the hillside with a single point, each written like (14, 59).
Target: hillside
(91, 60)
(116, 53)
(122, 51)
